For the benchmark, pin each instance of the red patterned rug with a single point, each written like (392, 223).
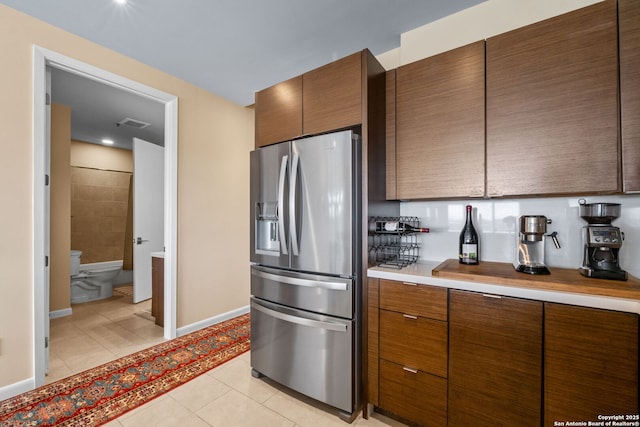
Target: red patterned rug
(101, 394)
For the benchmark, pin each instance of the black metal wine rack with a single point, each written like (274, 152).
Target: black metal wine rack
(393, 249)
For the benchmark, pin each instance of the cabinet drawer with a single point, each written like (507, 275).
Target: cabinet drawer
(419, 300)
(414, 341)
(415, 396)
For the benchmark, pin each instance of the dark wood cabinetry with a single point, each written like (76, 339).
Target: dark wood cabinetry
(590, 363)
(629, 22)
(552, 106)
(390, 120)
(278, 112)
(440, 125)
(157, 289)
(510, 361)
(411, 358)
(373, 342)
(332, 95)
(495, 360)
(328, 98)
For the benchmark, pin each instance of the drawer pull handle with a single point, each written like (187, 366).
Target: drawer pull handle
(492, 296)
(409, 316)
(408, 369)
(410, 283)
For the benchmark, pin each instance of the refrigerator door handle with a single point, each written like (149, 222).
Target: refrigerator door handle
(334, 286)
(339, 327)
(293, 231)
(281, 230)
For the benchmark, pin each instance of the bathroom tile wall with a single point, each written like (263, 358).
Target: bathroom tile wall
(495, 220)
(99, 200)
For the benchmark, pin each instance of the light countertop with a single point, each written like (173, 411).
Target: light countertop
(558, 291)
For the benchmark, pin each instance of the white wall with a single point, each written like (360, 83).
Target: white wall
(480, 22)
(496, 221)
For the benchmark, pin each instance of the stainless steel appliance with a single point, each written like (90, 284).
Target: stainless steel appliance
(306, 264)
(602, 241)
(530, 245)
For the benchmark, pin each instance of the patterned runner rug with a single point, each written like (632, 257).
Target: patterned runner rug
(101, 394)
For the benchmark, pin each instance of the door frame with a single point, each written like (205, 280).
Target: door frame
(41, 59)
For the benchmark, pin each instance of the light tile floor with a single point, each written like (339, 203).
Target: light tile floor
(228, 395)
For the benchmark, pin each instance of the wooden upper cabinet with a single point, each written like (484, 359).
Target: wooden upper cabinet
(440, 125)
(590, 363)
(279, 112)
(552, 106)
(629, 21)
(390, 144)
(332, 95)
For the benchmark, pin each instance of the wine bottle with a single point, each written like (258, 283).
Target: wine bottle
(398, 227)
(468, 248)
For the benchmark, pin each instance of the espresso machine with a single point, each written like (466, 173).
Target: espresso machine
(530, 250)
(602, 241)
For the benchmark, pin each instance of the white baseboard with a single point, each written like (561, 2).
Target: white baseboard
(60, 313)
(212, 321)
(15, 389)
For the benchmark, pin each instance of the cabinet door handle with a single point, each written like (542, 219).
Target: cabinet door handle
(492, 296)
(410, 316)
(410, 283)
(408, 369)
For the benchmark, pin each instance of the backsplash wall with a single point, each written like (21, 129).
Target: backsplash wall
(495, 220)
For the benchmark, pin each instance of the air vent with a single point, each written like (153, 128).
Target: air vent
(133, 123)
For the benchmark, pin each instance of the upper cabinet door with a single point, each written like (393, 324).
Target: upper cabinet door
(629, 12)
(552, 106)
(440, 125)
(278, 112)
(332, 95)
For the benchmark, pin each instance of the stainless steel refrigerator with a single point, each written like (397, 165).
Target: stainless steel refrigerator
(306, 267)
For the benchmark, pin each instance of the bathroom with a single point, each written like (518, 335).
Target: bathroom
(100, 220)
(90, 212)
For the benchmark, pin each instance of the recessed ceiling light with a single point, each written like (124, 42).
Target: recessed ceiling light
(121, 1)
(107, 141)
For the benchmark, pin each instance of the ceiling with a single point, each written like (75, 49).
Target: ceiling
(97, 109)
(232, 48)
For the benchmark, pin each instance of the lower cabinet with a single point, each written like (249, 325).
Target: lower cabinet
(590, 363)
(495, 360)
(446, 357)
(413, 348)
(157, 289)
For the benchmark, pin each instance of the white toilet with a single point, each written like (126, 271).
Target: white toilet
(91, 282)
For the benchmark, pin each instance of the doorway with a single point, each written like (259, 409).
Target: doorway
(45, 58)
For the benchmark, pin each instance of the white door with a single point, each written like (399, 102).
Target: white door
(148, 213)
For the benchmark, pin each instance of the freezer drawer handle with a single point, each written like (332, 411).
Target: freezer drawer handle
(283, 236)
(338, 327)
(334, 286)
